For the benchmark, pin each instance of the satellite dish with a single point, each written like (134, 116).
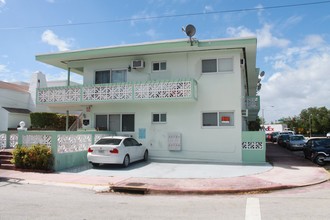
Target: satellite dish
(262, 73)
(190, 30)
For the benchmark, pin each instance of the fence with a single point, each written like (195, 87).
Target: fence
(69, 148)
(253, 147)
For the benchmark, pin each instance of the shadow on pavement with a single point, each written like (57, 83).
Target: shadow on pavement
(286, 158)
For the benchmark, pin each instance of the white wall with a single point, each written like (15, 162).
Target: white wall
(15, 118)
(216, 92)
(4, 119)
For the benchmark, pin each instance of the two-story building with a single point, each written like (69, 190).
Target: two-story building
(183, 101)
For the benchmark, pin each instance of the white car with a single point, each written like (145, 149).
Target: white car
(116, 150)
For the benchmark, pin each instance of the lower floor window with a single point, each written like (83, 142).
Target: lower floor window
(217, 119)
(115, 122)
(159, 117)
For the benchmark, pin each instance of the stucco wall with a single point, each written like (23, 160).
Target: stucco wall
(216, 93)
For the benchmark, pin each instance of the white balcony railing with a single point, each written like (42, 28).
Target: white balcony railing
(153, 90)
(252, 102)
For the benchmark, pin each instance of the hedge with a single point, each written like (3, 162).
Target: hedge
(50, 121)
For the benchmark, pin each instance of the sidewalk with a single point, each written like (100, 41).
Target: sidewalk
(288, 171)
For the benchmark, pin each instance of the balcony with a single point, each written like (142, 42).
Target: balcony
(252, 103)
(87, 94)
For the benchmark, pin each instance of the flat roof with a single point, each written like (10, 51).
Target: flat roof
(64, 59)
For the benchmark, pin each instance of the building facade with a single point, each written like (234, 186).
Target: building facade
(183, 101)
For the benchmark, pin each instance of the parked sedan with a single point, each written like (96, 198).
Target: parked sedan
(273, 136)
(318, 150)
(283, 139)
(116, 150)
(296, 142)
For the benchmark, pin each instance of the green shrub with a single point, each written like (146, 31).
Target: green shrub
(36, 157)
(50, 121)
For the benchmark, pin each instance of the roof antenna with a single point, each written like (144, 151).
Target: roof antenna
(190, 31)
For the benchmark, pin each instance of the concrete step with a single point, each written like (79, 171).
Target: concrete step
(7, 166)
(5, 157)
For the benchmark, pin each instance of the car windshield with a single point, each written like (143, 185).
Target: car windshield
(109, 141)
(297, 138)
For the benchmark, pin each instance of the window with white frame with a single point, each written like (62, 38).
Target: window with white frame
(217, 65)
(158, 66)
(159, 118)
(217, 119)
(110, 76)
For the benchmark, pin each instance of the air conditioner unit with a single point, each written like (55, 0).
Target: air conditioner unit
(245, 113)
(137, 64)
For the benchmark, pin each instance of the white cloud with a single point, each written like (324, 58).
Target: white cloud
(260, 8)
(51, 38)
(3, 69)
(264, 36)
(141, 15)
(301, 80)
(208, 8)
(151, 33)
(240, 31)
(2, 3)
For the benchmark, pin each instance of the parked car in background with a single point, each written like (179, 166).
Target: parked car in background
(318, 150)
(116, 150)
(283, 139)
(296, 142)
(273, 136)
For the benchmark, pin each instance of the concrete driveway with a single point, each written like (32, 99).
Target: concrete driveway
(159, 169)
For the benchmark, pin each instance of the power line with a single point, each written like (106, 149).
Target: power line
(168, 16)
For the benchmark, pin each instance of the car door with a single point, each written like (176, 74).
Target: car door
(308, 148)
(130, 149)
(139, 149)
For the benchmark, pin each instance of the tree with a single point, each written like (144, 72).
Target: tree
(255, 125)
(313, 118)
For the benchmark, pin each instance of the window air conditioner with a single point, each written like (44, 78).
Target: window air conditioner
(137, 64)
(245, 113)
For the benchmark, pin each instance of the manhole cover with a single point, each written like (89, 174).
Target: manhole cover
(135, 184)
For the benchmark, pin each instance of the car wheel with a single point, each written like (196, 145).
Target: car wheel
(319, 160)
(146, 154)
(126, 161)
(95, 164)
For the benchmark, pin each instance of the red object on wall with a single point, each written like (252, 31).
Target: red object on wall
(225, 119)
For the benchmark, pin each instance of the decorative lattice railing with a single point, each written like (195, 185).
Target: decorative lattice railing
(153, 90)
(252, 102)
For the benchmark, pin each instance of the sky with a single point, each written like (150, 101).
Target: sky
(293, 38)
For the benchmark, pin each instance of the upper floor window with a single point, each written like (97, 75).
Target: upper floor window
(217, 65)
(158, 66)
(110, 76)
(102, 76)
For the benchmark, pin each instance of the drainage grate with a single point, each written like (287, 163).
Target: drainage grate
(131, 188)
(135, 184)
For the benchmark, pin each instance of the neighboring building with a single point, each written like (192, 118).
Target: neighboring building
(18, 100)
(15, 105)
(183, 101)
